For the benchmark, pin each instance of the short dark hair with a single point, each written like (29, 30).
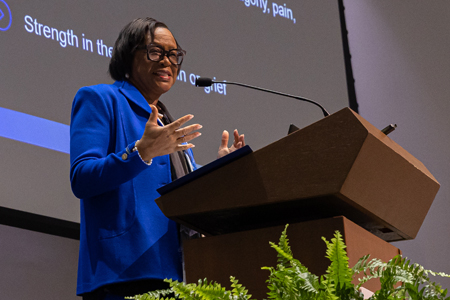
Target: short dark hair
(130, 37)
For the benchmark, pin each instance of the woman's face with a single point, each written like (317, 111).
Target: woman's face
(154, 78)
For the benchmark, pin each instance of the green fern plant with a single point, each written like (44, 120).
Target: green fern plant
(203, 290)
(291, 280)
(400, 279)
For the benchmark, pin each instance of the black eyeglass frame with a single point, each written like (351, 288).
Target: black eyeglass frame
(163, 53)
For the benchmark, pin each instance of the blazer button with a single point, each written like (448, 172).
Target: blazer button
(124, 156)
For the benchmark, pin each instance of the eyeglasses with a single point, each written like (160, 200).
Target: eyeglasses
(156, 53)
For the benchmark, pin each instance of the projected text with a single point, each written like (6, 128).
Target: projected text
(67, 37)
(275, 9)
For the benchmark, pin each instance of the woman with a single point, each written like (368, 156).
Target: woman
(121, 152)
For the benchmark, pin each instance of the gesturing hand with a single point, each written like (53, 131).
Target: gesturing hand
(161, 140)
(239, 142)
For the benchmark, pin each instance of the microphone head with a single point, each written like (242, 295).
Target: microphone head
(203, 81)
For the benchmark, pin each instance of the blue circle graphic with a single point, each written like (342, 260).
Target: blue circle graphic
(2, 15)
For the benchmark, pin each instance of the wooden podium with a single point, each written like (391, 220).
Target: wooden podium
(338, 166)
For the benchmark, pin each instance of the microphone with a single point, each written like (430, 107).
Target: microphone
(204, 81)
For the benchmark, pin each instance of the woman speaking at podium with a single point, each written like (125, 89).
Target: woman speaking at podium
(124, 145)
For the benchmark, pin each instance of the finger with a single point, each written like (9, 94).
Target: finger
(186, 130)
(224, 143)
(236, 136)
(188, 137)
(234, 147)
(242, 140)
(154, 115)
(177, 124)
(184, 147)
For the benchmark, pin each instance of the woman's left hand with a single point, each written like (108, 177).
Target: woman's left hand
(239, 142)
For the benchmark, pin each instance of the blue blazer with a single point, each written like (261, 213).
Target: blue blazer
(124, 235)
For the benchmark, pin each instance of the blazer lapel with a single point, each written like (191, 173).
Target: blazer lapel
(133, 95)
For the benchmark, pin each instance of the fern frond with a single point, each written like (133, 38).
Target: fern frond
(154, 295)
(290, 279)
(287, 259)
(203, 290)
(212, 292)
(400, 270)
(361, 265)
(284, 250)
(327, 289)
(442, 274)
(371, 269)
(183, 290)
(283, 256)
(338, 271)
(147, 296)
(238, 290)
(308, 282)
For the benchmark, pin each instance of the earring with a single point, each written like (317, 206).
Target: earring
(127, 75)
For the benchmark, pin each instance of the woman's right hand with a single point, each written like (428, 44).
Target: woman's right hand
(161, 140)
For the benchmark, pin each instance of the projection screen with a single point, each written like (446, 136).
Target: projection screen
(52, 48)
